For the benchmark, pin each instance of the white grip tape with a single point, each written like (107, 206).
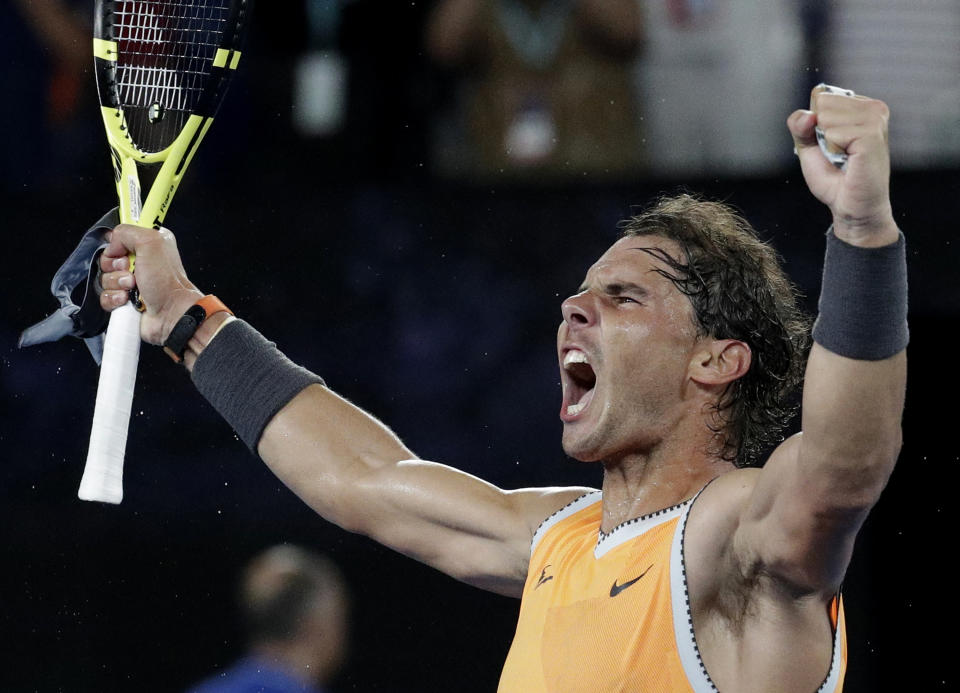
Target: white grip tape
(103, 475)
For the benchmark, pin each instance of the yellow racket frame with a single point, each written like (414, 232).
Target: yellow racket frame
(176, 157)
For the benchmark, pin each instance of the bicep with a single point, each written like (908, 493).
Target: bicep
(793, 527)
(455, 522)
(813, 495)
(355, 472)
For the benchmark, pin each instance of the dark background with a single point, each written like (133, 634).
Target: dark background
(433, 305)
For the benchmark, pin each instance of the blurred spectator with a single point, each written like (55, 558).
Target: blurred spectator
(46, 53)
(546, 90)
(66, 40)
(319, 105)
(362, 89)
(907, 53)
(294, 606)
(715, 81)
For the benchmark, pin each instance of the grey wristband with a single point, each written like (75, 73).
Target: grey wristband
(863, 300)
(247, 379)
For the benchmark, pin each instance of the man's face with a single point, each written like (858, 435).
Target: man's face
(625, 345)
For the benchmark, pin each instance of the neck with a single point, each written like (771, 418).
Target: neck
(640, 484)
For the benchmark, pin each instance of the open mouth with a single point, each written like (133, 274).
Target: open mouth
(578, 383)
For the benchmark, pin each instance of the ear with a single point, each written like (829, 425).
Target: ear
(720, 361)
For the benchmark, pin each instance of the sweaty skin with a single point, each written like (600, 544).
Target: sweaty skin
(765, 550)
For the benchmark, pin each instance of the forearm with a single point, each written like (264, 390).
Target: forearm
(353, 471)
(326, 449)
(852, 413)
(316, 442)
(856, 374)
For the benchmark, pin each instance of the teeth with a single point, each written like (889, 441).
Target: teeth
(575, 356)
(573, 409)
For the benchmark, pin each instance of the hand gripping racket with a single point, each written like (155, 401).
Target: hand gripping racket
(162, 69)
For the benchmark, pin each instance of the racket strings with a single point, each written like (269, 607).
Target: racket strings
(165, 51)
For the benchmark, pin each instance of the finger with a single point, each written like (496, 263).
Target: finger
(117, 281)
(802, 125)
(867, 113)
(126, 238)
(113, 264)
(120, 244)
(840, 137)
(856, 127)
(822, 90)
(803, 128)
(832, 104)
(855, 140)
(847, 108)
(832, 113)
(109, 300)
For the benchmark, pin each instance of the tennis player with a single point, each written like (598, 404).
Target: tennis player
(703, 563)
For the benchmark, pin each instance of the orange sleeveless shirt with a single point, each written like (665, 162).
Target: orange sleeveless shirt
(603, 613)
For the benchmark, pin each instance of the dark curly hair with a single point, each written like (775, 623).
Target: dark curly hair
(738, 291)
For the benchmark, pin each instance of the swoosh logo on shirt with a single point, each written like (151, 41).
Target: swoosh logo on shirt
(616, 589)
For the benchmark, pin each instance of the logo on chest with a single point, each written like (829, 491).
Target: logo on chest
(616, 589)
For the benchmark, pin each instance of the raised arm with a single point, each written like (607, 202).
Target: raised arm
(341, 461)
(813, 495)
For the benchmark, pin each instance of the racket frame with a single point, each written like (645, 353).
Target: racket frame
(103, 473)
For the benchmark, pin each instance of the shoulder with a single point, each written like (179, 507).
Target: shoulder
(542, 506)
(717, 509)
(563, 504)
(711, 527)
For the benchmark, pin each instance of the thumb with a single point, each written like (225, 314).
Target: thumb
(122, 240)
(802, 125)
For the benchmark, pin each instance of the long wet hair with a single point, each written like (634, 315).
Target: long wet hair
(738, 291)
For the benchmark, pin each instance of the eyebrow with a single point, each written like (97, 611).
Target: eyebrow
(615, 288)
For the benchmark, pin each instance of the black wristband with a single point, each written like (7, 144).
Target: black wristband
(187, 325)
(247, 379)
(176, 342)
(863, 300)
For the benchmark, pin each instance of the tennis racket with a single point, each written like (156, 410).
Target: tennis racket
(162, 69)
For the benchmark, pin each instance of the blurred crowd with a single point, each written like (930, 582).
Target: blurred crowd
(530, 91)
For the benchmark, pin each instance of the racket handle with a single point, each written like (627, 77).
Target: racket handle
(103, 475)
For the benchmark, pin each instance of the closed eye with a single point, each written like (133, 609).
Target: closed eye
(625, 292)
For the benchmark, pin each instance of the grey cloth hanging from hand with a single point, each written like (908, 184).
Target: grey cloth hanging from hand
(87, 321)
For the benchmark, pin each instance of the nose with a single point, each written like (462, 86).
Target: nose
(578, 310)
